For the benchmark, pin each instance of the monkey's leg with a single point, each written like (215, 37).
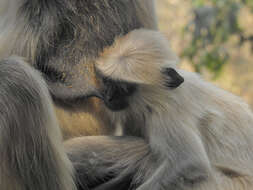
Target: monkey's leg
(178, 158)
(103, 163)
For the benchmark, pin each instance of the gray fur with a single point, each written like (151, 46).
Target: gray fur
(31, 149)
(108, 159)
(63, 38)
(200, 136)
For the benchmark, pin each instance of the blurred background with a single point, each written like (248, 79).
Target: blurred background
(214, 38)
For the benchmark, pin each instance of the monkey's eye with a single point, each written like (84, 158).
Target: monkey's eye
(52, 74)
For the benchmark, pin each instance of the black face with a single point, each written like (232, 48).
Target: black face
(115, 93)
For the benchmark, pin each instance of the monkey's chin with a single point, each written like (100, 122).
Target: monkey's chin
(116, 105)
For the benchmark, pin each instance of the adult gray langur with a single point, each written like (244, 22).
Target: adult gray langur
(31, 148)
(199, 135)
(63, 39)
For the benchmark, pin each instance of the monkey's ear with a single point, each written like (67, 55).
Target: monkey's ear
(175, 79)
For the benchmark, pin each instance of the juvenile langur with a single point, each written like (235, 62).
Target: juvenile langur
(62, 39)
(199, 135)
(31, 149)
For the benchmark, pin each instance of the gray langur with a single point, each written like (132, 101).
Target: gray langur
(62, 39)
(200, 136)
(31, 148)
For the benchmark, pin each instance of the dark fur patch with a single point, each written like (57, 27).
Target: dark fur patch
(79, 27)
(229, 172)
(149, 109)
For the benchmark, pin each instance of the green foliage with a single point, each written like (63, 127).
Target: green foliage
(215, 22)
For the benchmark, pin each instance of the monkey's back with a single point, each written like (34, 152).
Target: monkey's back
(224, 121)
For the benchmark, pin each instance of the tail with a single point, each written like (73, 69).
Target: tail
(31, 150)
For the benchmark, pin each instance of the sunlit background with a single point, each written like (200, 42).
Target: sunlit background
(214, 38)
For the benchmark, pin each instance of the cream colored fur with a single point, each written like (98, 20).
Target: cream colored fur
(217, 123)
(136, 57)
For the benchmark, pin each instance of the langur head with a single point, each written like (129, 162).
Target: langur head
(140, 60)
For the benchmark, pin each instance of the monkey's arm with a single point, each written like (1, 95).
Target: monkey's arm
(31, 149)
(106, 162)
